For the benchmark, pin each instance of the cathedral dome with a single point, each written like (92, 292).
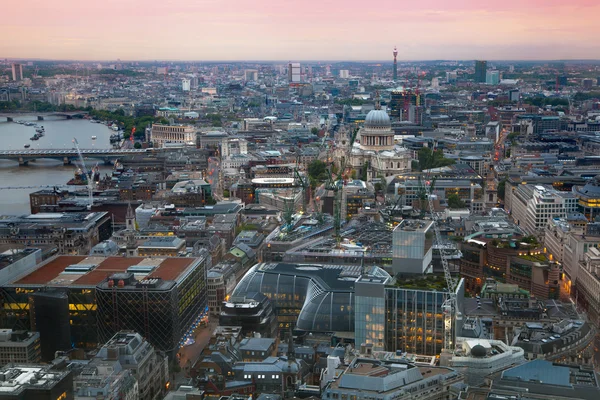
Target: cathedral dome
(377, 119)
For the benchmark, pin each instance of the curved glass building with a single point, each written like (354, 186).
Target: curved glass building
(317, 298)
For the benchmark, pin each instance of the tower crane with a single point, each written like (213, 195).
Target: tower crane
(302, 181)
(89, 175)
(449, 307)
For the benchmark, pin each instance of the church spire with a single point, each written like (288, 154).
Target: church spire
(291, 353)
(130, 218)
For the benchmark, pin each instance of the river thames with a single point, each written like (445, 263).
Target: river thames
(59, 133)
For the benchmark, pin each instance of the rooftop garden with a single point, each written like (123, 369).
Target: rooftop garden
(428, 282)
(534, 257)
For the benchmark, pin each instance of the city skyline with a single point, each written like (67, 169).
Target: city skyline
(187, 30)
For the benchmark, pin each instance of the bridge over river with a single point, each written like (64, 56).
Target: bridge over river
(40, 116)
(68, 155)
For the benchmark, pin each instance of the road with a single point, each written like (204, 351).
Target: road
(189, 354)
(214, 168)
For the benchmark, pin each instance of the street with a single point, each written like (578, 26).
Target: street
(212, 177)
(189, 354)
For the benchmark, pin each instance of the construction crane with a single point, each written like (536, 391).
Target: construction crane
(302, 181)
(449, 307)
(89, 175)
(336, 186)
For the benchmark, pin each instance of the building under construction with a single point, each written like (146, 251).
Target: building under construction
(163, 299)
(405, 105)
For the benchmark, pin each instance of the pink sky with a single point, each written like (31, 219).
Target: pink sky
(299, 30)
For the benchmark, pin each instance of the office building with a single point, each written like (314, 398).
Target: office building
(588, 283)
(163, 134)
(372, 379)
(480, 71)
(17, 72)
(294, 73)
(21, 347)
(104, 379)
(540, 123)
(134, 353)
(576, 247)
(161, 247)
(542, 380)
(588, 197)
(412, 247)
(460, 182)
(36, 382)
(567, 340)
(250, 75)
(451, 76)
(252, 312)
(344, 74)
(532, 205)
(369, 320)
(492, 77)
(313, 298)
(185, 85)
(70, 233)
(87, 299)
(220, 281)
(415, 318)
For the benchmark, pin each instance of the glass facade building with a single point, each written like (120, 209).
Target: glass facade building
(412, 247)
(317, 298)
(370, 312)
(415, 319)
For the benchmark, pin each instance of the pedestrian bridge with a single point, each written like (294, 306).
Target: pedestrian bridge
(68, 155)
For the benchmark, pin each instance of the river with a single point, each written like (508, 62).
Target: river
(59, 133)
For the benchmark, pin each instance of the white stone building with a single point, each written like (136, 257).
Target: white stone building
(375, 149)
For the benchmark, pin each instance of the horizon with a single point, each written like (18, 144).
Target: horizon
(387, 61)
(191, 30)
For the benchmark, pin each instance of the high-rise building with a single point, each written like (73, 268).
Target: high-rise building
(344, 73)
(294, 73)
(185, 85)
(451, 76)
(251, 75)
(395, 64)
(492, 77)
(480, 71)
(17, 72)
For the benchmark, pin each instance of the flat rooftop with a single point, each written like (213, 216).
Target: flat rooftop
(91, 271)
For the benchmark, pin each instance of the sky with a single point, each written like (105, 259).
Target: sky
(291, 30)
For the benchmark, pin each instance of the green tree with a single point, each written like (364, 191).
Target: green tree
(226, 193)
(455, 202)
(317, 170)
(502, 189)
(365, 171)
(137, 145)
(314, 130)
(429, 159)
